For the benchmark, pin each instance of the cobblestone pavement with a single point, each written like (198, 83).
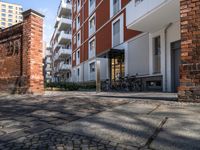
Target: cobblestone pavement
(28, 122)
(90, 121)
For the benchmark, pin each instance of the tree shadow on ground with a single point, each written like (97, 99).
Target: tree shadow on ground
(34, 120)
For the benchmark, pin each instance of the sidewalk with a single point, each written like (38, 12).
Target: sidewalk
(145, 124)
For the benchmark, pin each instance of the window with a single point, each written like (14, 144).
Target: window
(20, 9)
(78, 39)
(3, 6)
(3, 10)
(78, 72)
(3, 19)
(92, 25)
(78, 5)
(92, 6)
(10, 20)
(116, 33)
(10, 24)
(10, 15)
(10, 11)
(78, 22)
(92, 67)
(115, 6)
(156, 55)
(92, 48)
(77, 57)
(137, 2)
(3, 23)
(3, 15)
(10, 7)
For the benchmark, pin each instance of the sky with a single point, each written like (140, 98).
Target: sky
(47, 8)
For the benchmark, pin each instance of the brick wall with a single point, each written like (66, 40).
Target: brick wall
(21, 56)
(190, 51)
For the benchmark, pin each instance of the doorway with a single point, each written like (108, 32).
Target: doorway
(117, 67)
(175, 64)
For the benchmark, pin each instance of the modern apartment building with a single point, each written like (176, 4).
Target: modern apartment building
(100, 33)
(61, 43)
(10, 14)
(48, 65)
(155, 39)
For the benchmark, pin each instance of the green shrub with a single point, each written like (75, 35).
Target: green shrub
(71, 86)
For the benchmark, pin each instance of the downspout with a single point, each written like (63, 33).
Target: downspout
(83, 19)
(165, 32)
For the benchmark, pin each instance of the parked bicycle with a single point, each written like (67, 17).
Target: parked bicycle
(128, 83)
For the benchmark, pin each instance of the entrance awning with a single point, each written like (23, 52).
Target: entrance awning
(111, 53)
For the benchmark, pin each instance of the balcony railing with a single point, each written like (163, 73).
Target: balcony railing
(63, 66)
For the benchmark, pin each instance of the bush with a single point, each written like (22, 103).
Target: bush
(70, 86)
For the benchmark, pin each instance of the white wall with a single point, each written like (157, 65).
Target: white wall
(137, 55)
(173, 34)
(85, 71)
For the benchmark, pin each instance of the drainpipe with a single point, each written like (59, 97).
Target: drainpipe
(83, 56)
(165, 32)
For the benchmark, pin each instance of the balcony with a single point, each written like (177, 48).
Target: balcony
(65, 67)
(48, 68)
(64, 8)
(63, 52)
(63, 22)
(48, 76)
(64, 37)
(48, 60)
(48, 53)
(151, 15)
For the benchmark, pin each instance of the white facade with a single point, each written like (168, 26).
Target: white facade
(61, 43)
(161, 20)
(86, 71)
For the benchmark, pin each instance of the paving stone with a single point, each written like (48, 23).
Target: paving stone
(86, 120)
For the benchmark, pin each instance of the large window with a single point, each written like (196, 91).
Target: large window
(137, 2)
(92, 6)
(116, 33)
(92, 25)
(78, 38)
(10, 7)
(3, 10)
(116, 6)
(92, 67)
(77, 57)
(78, 22)
(78, 5)
(92, 48)
(156, 55)
(92, 71)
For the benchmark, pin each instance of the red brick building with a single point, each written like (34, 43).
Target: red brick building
(21, 56)
(157, 40)
(94, 38)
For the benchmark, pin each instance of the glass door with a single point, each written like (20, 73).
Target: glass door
(117, 68)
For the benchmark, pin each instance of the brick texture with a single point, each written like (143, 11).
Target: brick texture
(21, 56)
(190, 51)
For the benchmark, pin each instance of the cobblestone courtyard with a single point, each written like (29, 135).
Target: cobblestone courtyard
(81, 121)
